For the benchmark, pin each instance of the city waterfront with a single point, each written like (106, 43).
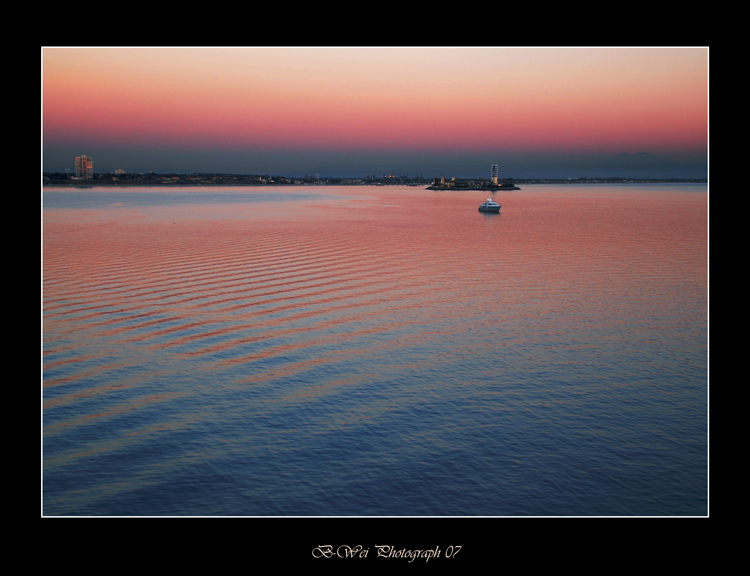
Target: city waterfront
(375, 351)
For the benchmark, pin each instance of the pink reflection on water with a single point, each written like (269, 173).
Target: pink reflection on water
(365, 263)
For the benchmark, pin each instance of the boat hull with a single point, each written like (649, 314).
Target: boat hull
(489, 209)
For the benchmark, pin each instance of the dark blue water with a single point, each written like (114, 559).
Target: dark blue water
(361, 351)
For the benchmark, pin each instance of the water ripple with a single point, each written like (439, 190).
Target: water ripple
(407, 356)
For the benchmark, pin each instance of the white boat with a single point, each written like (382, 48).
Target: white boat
(489, 206)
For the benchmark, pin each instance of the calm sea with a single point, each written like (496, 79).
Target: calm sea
(375, 351)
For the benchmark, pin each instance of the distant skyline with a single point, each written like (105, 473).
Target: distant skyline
(536, 112)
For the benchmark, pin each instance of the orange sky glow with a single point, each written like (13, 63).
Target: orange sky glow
(409, 100)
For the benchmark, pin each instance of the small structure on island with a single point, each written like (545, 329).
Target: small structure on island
(493, 185)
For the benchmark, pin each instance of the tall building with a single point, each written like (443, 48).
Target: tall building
(494, 173)
(84, 167)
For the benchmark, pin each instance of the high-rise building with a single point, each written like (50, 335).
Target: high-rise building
(494, 173)
(84, 167)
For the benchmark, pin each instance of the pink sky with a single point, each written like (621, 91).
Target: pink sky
(411, 100)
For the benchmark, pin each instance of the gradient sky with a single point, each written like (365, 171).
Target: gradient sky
(563, 112)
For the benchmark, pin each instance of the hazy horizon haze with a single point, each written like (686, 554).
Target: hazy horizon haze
(537, 112)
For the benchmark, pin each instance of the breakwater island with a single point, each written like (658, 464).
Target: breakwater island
(469, 185)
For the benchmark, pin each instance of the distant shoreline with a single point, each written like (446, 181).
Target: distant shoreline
(172, 183)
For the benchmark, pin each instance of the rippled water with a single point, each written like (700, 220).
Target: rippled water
(363, 351)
